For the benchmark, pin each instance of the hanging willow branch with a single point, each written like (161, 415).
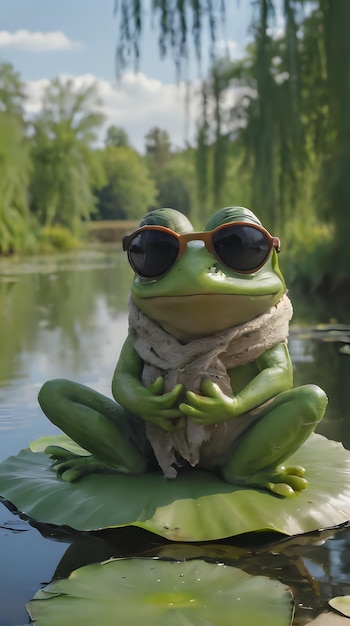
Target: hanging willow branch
(179, 21)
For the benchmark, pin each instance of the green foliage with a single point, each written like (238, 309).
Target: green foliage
(117, 136)
(178, 21)
(129, 191)
(61, 187)
(336, 16)
(306, 252)
(173, 172)
(291, 125)
(14, 166)
(176, 183)
(157, 144)
(202, 152)
(12, 93)
(57, 238)
(14, 176)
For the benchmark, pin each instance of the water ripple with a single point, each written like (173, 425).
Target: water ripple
(11, 418)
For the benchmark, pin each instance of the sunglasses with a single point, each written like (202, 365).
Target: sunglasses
(243, 247)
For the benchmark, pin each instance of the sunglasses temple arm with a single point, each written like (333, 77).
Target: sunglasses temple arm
(276, 244)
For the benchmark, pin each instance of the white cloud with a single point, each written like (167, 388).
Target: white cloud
(37, 41)
(233, 49)
(137, 103)
(35, 91)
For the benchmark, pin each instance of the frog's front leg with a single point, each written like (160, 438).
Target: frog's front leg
(96, 423)
(258, 457)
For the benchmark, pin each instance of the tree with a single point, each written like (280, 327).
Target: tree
(157, 144)
(173, 173)
(64, 170)
(283, 139)
(129, 191)
(336, 16)
(14, 164)
(12, 92)
(116, 136)
(177, 18)
(176, 184)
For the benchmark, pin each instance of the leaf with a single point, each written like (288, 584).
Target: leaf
(196, 506)
(341, 604)
(153, 593)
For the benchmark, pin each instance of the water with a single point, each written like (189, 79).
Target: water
(67, 317)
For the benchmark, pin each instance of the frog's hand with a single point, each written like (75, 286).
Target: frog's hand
(148, 403)
(162, 408)
(211, 408)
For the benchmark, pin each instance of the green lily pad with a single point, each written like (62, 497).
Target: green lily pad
(196, 506)
(154, 593)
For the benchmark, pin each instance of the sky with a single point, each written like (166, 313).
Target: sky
(44, 39)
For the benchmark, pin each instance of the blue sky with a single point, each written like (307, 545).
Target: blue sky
(77, 38)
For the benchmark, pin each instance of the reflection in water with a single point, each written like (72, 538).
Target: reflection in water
(322, 363)
(66, 320)
(66, 317)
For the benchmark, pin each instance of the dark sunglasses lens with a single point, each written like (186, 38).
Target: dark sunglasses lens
(152, 253)
(243, 248)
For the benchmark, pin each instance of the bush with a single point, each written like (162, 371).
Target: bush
(57, 238)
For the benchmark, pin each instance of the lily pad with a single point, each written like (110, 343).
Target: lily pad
(329, 619)
(196, 506)
(154, 593)
(341, 604)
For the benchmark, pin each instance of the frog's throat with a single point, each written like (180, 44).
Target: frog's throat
(201, 315)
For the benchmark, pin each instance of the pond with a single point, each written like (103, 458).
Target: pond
(66, 317)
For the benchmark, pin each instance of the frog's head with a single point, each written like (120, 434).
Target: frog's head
(196, 284)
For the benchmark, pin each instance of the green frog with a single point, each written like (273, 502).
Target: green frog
(204, 378)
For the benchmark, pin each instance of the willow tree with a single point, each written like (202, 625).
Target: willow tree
(182, 22)
(336, 18)
(282, 128)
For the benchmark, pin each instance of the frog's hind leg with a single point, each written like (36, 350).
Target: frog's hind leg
(283, 426)
(95, 422)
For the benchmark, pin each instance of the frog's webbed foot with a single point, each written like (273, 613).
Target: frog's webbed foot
(71, 467)
(282, 481)
(287, 481)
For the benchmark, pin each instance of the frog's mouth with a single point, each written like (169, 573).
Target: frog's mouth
(200, 315)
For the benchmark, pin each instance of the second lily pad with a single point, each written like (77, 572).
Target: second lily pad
(154, 593)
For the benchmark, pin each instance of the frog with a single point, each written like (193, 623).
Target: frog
(235, 413)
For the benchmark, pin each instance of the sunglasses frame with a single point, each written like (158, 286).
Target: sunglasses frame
(206, 236)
